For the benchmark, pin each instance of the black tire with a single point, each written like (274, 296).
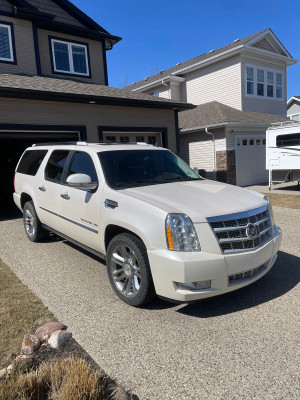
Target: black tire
(33, 228)
(131, 278)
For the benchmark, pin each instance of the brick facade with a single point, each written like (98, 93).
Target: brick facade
(226, 166)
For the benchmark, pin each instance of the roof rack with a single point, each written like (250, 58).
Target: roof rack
(60, 144)
(284, 124)
(116, 143)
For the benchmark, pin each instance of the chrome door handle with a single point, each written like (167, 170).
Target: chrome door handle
(65, 196)
(42, 188)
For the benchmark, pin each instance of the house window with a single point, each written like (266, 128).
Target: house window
(69, 57)
(154, 93)
(6, 46)
(152, 140)
(295, 117)
(250, 81)
(140, 138)
(261, 82)
(124, 139)
(110, 139)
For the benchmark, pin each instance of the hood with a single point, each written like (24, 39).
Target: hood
(199, 199)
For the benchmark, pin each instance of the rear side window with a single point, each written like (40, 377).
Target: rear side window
(288, 140)
(83, 164)
(55, 166)
(31, 162)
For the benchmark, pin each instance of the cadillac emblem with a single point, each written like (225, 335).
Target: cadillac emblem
(252, 231)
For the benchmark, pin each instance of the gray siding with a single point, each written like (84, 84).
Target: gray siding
(264, 44)
(17, 111)
(95, 50)
(218, 82)
(197, 148)
(175, 91)
(5, 6)
(61, 15)
(24, 48)
(269, 106)
(294, 108)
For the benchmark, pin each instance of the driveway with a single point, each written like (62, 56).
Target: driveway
(244, 345)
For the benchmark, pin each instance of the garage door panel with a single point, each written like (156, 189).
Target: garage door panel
(251, 161)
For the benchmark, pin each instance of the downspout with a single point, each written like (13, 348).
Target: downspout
(214, 151)
(165, 84)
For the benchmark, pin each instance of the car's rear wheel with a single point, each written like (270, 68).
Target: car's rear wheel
(129, 271)
(33, 228)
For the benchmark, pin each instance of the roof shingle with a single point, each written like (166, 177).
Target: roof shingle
(213, 113)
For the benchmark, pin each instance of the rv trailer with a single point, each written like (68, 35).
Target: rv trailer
(283, 152)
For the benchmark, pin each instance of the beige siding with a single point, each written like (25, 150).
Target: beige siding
(24, 48)
(162, 91)
(5, 6)
(218, 82)
(294, 109)
(264, 44)
(95, 50)
(264, 105)
(197, 149)
(175, 91)
(61, 15)
(15, 111)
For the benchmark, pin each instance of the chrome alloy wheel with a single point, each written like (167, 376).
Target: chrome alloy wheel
(29, 223)
(125, 270)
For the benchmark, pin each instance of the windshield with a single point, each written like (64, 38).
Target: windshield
(130, 168)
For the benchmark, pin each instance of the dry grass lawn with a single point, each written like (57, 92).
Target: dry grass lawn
(21, 312)
(284, 200)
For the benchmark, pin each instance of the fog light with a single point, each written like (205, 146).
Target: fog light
(194, 285)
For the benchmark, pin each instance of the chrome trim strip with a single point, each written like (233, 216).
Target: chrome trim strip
(239, 227)
(243, 214)
(244, 239)
(70, 220)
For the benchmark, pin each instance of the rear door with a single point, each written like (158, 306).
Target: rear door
(80, 208)
(50, 188)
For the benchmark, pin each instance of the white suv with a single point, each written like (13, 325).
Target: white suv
(161, 228)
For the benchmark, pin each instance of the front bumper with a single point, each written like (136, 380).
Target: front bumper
(169, 267)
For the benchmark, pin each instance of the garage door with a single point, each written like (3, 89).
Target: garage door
(251, 161)
(121, 137)
(13, 144)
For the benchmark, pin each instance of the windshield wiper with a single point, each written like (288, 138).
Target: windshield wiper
(184, 178)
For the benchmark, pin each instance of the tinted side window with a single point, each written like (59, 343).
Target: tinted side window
(83, 164)
(55, 165)
(31, 162)
(288, 140)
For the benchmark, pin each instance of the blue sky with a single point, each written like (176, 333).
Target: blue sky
(157, 34)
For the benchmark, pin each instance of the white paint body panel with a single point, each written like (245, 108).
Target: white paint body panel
(143, 211)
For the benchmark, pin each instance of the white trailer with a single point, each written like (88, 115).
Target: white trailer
(283, 152)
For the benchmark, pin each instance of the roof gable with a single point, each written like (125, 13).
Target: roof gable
(260, 41)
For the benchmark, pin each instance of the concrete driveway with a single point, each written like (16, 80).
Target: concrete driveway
(244, 345)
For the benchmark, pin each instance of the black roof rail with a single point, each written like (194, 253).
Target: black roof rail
(59, 144)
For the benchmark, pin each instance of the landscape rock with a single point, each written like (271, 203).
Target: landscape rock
(59, 338)
(3, 373)
(46, 330)
(30, 344)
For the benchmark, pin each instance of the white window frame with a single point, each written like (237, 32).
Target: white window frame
(11, 59)
(265, 83)
(70, 44)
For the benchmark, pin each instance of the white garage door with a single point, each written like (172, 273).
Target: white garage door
(251, 161)
(116, 137)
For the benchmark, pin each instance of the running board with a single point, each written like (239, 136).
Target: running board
(84, 247)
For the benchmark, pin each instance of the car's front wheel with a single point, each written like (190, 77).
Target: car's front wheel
(129, 271)
(33, 228)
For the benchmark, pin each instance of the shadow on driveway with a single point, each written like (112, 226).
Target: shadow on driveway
(281, 279)
(8, 210)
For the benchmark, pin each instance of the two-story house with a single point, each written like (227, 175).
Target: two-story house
(54, 85)
(293, 108)
(239, 90)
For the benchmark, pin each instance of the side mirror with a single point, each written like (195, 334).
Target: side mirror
(195, 169)
(81, 181)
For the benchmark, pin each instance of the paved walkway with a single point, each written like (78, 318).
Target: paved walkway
(244, 345)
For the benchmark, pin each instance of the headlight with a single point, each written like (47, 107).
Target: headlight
(269, 208)
(181, 234)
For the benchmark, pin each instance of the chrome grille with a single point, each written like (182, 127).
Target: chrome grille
(232, 231)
